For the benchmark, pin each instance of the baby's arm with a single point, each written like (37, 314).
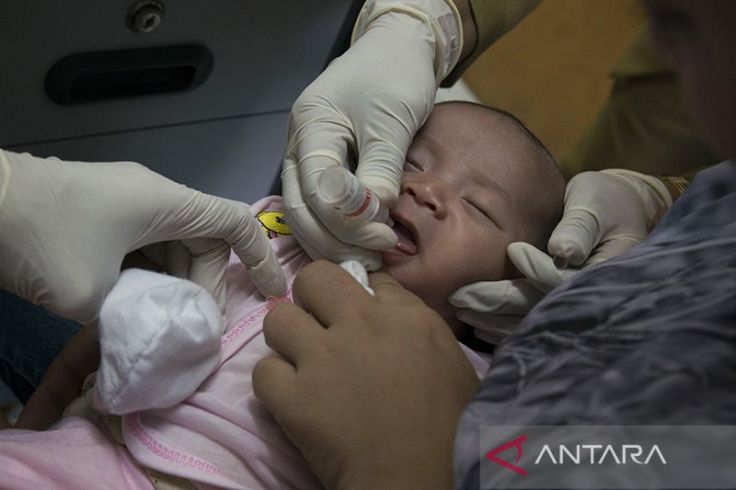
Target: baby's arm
(62, 381)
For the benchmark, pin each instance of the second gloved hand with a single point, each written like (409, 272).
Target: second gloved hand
(368, 104)
(606, 213)
(66, 226)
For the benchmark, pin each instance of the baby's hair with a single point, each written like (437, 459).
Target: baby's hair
(545, 194)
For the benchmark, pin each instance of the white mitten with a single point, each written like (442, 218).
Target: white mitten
(159, 340)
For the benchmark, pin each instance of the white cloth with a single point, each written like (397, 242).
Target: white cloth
(159, 339)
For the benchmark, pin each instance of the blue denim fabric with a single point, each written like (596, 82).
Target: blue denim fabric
(30, 338)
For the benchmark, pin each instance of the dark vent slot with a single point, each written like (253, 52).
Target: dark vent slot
(100, 76)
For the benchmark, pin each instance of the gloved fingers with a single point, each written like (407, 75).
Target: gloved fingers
(138, 260)
(231, 221)
(380, 160)
(320, 244)
(311, 234)
(492, 337)
(492, 329)
(207, 264)
(178, 260)
(384, 140)
(613, 247)
(369, 235)
(537, 266)
(322, 143)
(508, 297)
(575, 236)
(156, 253)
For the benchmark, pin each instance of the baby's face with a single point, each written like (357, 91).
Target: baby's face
(455, 214)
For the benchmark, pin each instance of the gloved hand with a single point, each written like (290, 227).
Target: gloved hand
(66, 226)
(372, 100)
(606, 213)
(495, 308)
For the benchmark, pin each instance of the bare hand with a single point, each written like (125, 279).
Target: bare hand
(369, 388)
(62, 381)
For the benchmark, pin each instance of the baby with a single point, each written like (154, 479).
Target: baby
(475, 181)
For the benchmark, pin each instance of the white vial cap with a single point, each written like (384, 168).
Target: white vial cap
(335, 185)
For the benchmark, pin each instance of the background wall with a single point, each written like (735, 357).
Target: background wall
(552, 70)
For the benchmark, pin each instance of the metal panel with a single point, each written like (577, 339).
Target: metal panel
(238, 158)
(265, 53)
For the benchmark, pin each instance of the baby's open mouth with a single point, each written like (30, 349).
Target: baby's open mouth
(407, 241)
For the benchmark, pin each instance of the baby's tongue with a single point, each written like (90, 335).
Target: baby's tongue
(406, 239)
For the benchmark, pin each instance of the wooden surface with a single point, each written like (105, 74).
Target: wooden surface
(551, 71)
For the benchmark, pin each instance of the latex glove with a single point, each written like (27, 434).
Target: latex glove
(66, 226)
(606, 213)
(495, 308)
(371, 100)
(369, 388)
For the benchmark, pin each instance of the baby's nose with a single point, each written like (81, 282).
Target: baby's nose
(426, 194)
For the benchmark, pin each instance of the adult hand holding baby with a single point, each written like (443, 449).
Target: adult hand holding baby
(369, 388)
(66, 227)
(606, 213)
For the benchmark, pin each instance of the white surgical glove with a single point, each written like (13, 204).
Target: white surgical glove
(368, 103)
(66, 226)
(606, 213)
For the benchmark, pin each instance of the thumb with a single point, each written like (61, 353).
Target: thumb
(575, 236)
(381, 168)
(536, 266)
(613, 247)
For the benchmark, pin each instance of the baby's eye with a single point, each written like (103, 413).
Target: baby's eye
(416, 167)
(479, 209)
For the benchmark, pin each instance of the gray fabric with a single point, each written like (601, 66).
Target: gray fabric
(648, 338)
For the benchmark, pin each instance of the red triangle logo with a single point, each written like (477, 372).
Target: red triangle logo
(491, 455)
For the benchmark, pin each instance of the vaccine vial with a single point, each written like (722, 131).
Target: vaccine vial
(338, 187)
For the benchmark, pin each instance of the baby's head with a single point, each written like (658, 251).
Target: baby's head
(475, 180)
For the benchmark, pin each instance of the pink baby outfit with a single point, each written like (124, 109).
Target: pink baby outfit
(219, 437)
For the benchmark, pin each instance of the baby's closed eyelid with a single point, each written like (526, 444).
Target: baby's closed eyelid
(480, 209)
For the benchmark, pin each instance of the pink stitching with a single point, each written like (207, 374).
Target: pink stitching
(243, 324)
(150, 443)
(133, 423)
(240, 327)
